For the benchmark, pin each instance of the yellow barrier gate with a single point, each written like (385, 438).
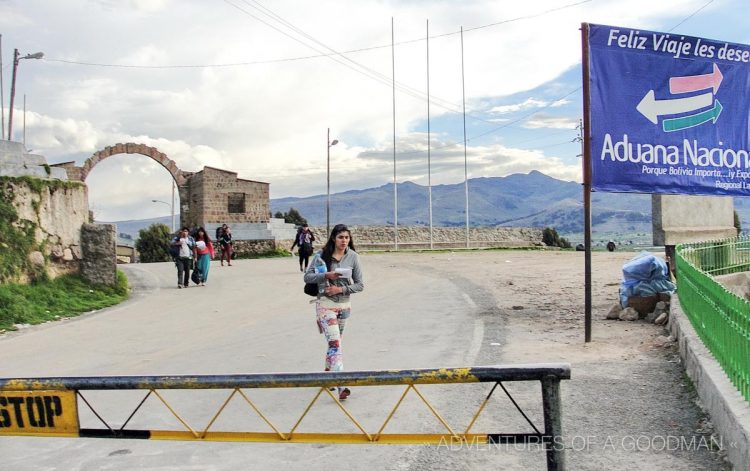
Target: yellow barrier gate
(49, 407)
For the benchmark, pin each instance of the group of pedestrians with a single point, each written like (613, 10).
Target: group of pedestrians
(194, 252)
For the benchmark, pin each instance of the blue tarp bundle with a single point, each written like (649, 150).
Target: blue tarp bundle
(645, 275)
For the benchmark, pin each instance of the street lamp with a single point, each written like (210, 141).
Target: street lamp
(328, 181)
(16, 59)
(171, 206)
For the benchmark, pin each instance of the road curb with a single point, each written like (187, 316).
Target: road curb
(729, 411)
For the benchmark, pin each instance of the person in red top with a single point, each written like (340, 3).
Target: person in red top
(204, 250)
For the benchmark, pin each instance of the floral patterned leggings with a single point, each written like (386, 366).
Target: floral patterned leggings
(331, 322)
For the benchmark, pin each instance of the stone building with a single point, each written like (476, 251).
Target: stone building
(216, 197)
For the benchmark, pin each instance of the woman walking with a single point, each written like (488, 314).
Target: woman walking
(226, 244)
(342, 277)
(204, 249)
(304, 241)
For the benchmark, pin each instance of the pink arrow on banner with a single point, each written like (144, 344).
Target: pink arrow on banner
(693, 83)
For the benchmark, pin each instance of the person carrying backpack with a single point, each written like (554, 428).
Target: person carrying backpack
(225, 240)
(304, 240)
(183, 247)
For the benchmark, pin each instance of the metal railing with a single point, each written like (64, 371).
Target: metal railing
(720, 317)
(50, 406)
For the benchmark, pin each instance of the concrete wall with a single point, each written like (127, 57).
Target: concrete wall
(730, 413)
(683, 218)
(16, 162)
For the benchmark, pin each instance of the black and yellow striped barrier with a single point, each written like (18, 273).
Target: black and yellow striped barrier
(49, 407)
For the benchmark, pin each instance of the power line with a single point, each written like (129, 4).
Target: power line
(690, 16)
(345, 61)
(332, 54)
(315, 56)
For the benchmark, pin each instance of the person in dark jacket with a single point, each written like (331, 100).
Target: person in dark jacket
(225, 240)
(304, 240)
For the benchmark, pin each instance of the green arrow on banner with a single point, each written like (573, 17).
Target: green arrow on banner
(677, 124)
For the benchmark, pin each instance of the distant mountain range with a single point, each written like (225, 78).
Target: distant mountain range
(531, 200)
(518, 200)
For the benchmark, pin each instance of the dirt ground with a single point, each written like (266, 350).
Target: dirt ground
(629, 404)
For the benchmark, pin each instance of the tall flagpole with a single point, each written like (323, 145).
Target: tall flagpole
(429, 169)
(466, 166)
(395, 186)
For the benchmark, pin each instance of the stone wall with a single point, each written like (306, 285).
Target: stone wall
(99, 249)
(245, 247)
(57, 210)
(418, 237)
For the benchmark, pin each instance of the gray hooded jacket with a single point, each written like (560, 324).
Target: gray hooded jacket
(349, 260)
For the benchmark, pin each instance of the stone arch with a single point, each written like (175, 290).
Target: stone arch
(182, 179)
(179, 176)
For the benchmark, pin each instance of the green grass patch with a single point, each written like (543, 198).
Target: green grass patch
(66, 296)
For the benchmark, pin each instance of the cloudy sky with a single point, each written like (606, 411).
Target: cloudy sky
(253, 87)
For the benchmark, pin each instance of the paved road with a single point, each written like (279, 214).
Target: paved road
(251, 317)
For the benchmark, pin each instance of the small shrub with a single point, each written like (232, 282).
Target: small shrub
(153, 243)
(551, 238)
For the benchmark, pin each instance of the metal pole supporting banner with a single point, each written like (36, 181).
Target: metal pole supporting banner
(586, 181)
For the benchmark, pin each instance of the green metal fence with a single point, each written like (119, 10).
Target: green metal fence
(720, 317)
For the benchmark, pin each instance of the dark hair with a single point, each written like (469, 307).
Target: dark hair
(206, 237)
(327, 254)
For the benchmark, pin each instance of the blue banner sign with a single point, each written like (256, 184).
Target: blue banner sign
(669, 113)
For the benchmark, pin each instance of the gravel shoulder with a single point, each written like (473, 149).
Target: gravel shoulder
(628, 404)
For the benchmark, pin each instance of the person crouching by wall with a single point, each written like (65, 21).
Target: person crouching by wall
(185, 256)
(332, 307)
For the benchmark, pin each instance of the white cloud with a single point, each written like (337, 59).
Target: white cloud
(268, 121)
(546, 121)
(528, 103)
